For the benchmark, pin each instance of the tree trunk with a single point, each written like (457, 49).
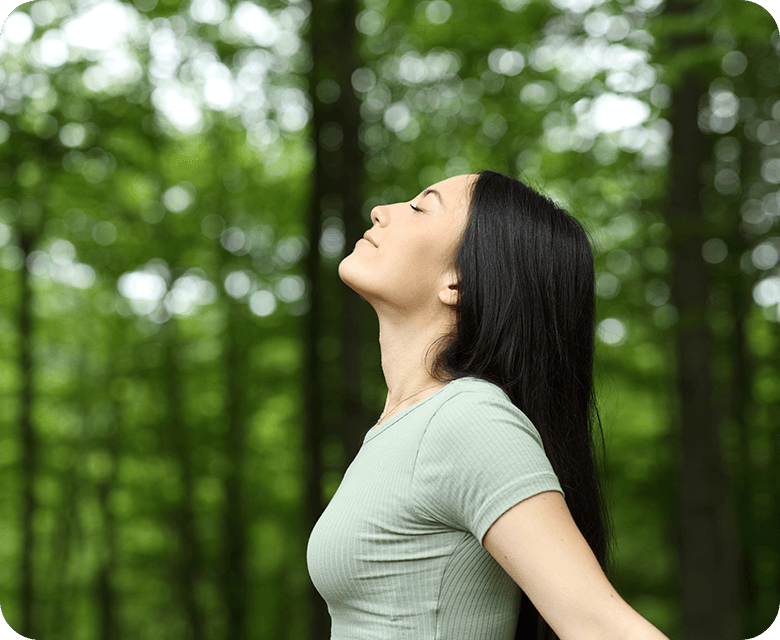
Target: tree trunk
(234, 563)
(59, 615)
(707, 542)
(756, 420)
(234, 577)
(336, 186)
(179, 443)
(350, 184)
(29, 443)
(108, 628)
(311, 378)
(741, 406)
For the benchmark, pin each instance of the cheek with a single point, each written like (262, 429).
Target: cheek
(416, 255)
(420, 264)
(418, 250)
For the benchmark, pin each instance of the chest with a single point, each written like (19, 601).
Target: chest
(370, 536)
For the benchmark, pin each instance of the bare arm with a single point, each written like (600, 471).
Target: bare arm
(539, 545)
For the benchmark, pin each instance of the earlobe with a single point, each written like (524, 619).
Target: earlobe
(450, 296)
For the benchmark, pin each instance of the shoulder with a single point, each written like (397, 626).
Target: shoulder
(478, 407)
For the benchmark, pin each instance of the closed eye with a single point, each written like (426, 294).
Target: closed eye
(415, 208)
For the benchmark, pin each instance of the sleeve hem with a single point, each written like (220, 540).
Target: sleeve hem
(524, 488)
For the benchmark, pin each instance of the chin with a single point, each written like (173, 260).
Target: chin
(343, 270)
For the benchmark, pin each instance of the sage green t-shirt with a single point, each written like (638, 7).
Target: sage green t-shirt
(397, 554)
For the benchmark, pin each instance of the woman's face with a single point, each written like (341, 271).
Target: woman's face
(409, 266)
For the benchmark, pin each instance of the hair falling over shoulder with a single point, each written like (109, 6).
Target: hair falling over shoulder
(526, 322)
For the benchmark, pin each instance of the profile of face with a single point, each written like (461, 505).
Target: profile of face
(406, 266)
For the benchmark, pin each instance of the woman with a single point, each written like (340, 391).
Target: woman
(473, 511)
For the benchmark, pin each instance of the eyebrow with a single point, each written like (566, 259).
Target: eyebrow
(434, 192)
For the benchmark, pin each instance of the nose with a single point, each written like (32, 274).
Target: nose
(375, 214)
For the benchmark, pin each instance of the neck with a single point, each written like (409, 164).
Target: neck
(403, 347)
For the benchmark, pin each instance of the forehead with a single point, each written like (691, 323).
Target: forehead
(455, 191)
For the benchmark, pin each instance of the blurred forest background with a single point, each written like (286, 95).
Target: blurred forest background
(183, 376)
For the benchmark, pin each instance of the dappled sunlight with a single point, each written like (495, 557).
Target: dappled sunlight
(186, 375)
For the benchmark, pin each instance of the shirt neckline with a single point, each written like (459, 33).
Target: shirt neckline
(375, 431)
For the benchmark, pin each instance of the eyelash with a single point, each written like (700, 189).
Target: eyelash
(415, 208)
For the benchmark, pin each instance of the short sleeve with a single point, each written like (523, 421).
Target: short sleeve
(479, 456)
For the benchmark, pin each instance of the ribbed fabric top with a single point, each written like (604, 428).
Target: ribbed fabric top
(397, 554)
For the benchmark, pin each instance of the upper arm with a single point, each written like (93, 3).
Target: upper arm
(539, 545)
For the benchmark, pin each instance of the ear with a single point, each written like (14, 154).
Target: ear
(450, 295)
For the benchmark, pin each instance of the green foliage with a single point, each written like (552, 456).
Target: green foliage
(163, 260)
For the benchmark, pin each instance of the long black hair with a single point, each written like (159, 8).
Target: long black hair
(525, 321)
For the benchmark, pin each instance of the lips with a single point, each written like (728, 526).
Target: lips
(368, 237)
